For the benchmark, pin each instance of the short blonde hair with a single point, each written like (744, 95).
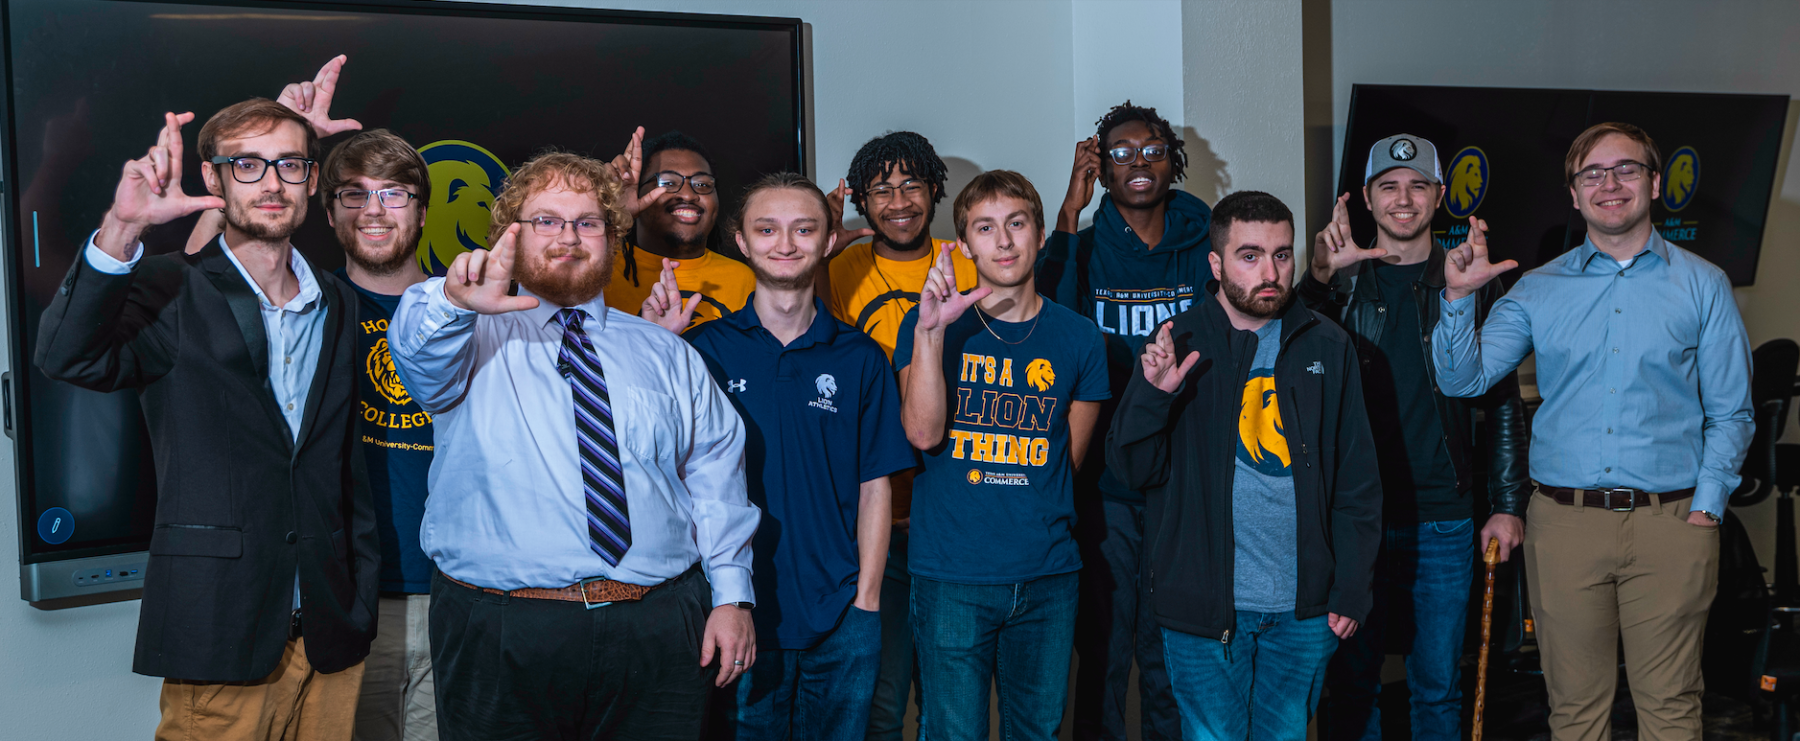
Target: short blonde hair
(1589, 139)
(571, 171)
(991, 185)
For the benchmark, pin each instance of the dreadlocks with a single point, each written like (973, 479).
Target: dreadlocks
(911, 152)
(1126, 112)
(671, 139)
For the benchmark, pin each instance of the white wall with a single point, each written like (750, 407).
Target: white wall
(1733, 46)
(1241, 61)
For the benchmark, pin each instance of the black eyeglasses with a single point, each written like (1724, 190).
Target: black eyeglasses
(1128, 155)
(550, 226)
(1626, 172)
(291, 170)
(701, 184)
(882, 193)
(390, 198)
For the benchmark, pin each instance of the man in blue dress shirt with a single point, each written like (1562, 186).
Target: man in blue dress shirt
(1644, 368)
(587, 511)
(822, 415)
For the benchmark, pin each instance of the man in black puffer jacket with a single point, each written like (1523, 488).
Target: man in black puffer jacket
(1245, 426)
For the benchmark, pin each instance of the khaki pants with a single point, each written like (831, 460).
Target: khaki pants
(293, 702)
(1595, 575)
(398, 702)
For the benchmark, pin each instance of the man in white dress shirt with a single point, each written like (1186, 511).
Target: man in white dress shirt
(588, 512)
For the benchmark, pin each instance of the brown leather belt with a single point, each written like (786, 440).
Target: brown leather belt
(595, 592)
(1617, 500)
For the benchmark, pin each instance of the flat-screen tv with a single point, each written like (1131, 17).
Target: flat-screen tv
(478, 88)
(1502, 151)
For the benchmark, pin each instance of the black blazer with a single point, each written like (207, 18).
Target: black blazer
(240, 506)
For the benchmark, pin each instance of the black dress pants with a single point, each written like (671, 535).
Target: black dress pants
(509, 668)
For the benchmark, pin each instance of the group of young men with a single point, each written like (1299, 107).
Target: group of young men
(601, 481)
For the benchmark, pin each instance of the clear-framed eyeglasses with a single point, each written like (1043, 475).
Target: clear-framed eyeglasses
(390, 198)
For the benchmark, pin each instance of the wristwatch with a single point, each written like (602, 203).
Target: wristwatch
(1710, 516)
(744, 605)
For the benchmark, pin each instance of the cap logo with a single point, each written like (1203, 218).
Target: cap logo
(1403, 150)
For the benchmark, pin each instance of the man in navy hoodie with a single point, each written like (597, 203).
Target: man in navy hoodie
(1142, 262)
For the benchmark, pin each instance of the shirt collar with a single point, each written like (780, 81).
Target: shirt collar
(545, 312)
(1656, 246)
(824, 329)
(309, 286)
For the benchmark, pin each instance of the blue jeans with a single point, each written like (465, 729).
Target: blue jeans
(1017, 636)
(1422, 580)
(820, 693)
(899, 667)
(1262, 686)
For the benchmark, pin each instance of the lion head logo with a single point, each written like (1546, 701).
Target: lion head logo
(826, 384)
(974, 476)
(380, 367)
(1262, 443)
(1682, 177)
(464, 179)
(1039, 375)
(1468, 182)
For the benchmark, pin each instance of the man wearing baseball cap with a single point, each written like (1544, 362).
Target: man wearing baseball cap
(1385, 297)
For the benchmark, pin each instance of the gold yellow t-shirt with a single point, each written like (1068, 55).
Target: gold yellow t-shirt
(873, 293)
(724, 284)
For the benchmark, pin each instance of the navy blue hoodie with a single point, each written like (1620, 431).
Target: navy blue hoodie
(1108, 275)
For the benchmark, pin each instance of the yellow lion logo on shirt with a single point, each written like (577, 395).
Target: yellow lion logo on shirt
(1262, 443)
(380, 367)
(1040, 375)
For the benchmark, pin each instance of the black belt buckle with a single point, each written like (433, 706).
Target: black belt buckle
(1630, 499)
(294, 626)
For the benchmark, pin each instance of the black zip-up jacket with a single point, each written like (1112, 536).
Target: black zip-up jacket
(1357, 306)
(1181, 449)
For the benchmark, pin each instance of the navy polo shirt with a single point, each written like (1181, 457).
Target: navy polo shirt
(821, 416)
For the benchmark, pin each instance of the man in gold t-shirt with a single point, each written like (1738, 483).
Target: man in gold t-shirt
(895, 181)
(673, 230)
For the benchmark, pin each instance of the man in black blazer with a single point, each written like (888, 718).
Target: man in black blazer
(259, 599)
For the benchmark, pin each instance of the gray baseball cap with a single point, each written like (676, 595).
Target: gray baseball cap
(1403, 150)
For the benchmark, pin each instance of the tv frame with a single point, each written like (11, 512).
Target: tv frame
(43, 584)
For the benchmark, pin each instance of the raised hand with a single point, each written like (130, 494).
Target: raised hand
(312, 100)
(1160, 368)
(835, 203)
(1468, 268)
(629, 166)
(939, 303)
(1081, 184)
(1333, 248)
(664, 307)
(150, 192)
(479, 279)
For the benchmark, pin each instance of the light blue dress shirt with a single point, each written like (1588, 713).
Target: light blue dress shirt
(294, 331)
(1644, 369)
(507, 510)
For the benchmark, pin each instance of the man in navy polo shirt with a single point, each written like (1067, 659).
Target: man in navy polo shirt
(823, 421)
(1001, 390)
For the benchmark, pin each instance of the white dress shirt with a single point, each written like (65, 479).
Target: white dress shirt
(507, 509)
(293, 330)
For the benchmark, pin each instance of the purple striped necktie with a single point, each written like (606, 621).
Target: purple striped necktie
(602, 480)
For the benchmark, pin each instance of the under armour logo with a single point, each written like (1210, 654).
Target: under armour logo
(1316, 367)
(738, 385)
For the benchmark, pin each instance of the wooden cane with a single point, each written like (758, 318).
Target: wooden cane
(1491, 557)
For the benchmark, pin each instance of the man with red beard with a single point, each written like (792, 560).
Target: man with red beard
(588, 511)
(1244, 423)
(259, 600)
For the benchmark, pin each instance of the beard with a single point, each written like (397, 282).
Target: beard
(1245, 299)
(923, 238)
(572, 285)
(371, 260)
(244, 217)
